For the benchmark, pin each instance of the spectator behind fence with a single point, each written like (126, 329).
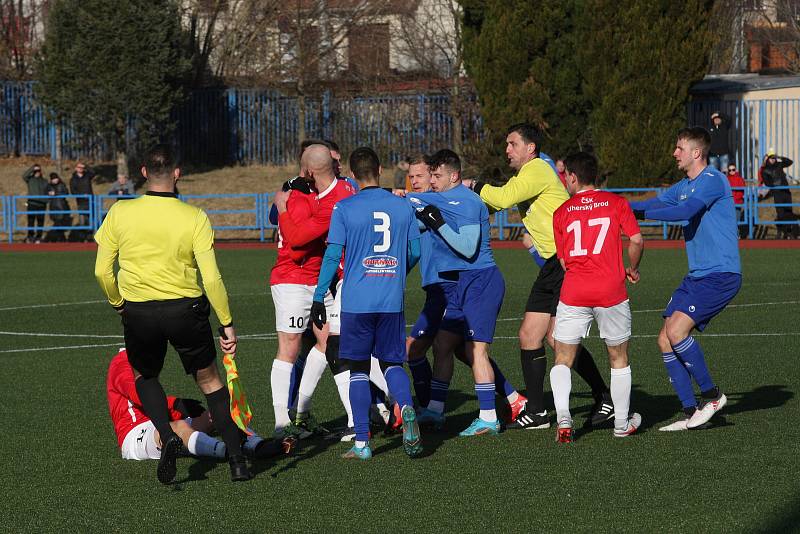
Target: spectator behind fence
(122, 186)
(773, 174)
(736, 180)
(56, 188)
(719, 153)
(401, 181)
(81, 184)
(561, 171)
(37, 186)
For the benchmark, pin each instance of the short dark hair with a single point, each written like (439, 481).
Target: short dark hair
(528, 132)
(445, 157)
(584, 166)
(365, 164)
(698, 135)
(54, 175)
(159, 162)
(331, 144)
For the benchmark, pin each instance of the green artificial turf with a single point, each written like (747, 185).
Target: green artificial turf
(62, 469)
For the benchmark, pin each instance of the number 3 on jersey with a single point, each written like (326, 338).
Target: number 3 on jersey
(382, 227)
(575, 228)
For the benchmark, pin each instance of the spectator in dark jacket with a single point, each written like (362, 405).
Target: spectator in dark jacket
(719, 152)
(736, 180)
(81, 184)
(36, 207)
(57, 206)
(773, 174)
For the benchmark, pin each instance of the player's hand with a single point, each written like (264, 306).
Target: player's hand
(639, 214)
(399, 192)
(318, 314)
(189, 407)
(632, 275)
(280, 200)
(119, 309)
(228, 339)
(430, 217)
(468, 182)
(298, 183)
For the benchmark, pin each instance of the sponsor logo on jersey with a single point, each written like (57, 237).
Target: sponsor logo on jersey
(691, 309)
(454, 203)
(587, 200)
(380, 265)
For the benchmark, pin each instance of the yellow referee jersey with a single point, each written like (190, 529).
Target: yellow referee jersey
(537, 183)
(162, 243)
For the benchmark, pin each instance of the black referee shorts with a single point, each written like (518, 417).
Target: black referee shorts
(181, 322)
(546, 288)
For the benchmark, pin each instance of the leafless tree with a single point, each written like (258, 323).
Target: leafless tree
(778, 26)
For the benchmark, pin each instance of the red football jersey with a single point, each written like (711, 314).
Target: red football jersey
(123, 401)
(302, 231)
(588, 238)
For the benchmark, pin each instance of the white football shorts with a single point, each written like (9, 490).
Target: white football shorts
(573, 323)
(293, 307)
(140, 443)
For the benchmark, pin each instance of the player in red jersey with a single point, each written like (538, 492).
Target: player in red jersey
(587, 231)
(138, 438)
(303, 221)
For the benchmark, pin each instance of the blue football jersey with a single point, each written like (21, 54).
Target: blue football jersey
(427, 265)
(712, 239)
(374, 226)
(460, 207)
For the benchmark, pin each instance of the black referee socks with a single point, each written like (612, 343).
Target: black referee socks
(154, 403)
(219, 406)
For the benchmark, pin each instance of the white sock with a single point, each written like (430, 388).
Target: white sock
(361, 444)
(279, 382)
(621, 395)
(561, 384)
(436, 406)
(201, 444)
(513, 397)
(312, 372)
(376, 376)
(343, 385)
(490, 416)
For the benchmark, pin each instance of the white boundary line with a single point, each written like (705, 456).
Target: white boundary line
(54, 305)
(37, 334)
(42, 349)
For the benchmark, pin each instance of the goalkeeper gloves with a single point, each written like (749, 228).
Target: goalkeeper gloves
(298, 183)
(639, 214)
(430, 217)
(318, 314)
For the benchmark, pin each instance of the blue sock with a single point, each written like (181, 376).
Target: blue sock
(359, 403)
(500, 382)
(692, 355)
(422, 374)
(399, 386)
(439, 390)
(294, 382)
(485, 393)
(679, 378)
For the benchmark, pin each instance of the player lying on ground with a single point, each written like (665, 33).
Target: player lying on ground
(589, 246)
(703, 201)
(138, 438)
(474, 288)
(432, 385)
(378, 234)
(537, 186)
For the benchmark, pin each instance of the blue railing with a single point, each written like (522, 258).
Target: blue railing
(251, 211)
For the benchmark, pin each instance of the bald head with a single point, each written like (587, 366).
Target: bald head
(317, 159)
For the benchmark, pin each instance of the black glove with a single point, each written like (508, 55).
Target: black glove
(639, 214)
(430, 217)
(189, 407)
(298, 183)
(477, 185)
(318, 315)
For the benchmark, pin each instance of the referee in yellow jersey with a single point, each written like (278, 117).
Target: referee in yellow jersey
(162, 243)
(537, 185)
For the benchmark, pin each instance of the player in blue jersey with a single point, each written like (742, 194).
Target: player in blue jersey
(432, 385)
(459, 224)
(704, 202)
(379, 236)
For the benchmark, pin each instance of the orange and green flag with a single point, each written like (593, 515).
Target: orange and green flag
(240, 409)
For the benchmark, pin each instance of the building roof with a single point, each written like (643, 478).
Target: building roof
(742, 83)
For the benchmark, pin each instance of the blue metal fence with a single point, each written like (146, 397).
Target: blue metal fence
(232, 125)
(251, 213)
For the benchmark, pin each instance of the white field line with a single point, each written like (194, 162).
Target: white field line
(38, 334)
(43, 349)
(80, 302)
(728, 334)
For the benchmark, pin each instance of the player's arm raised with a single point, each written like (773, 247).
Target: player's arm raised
(519, 188)
(465, 241)
(299, 226)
